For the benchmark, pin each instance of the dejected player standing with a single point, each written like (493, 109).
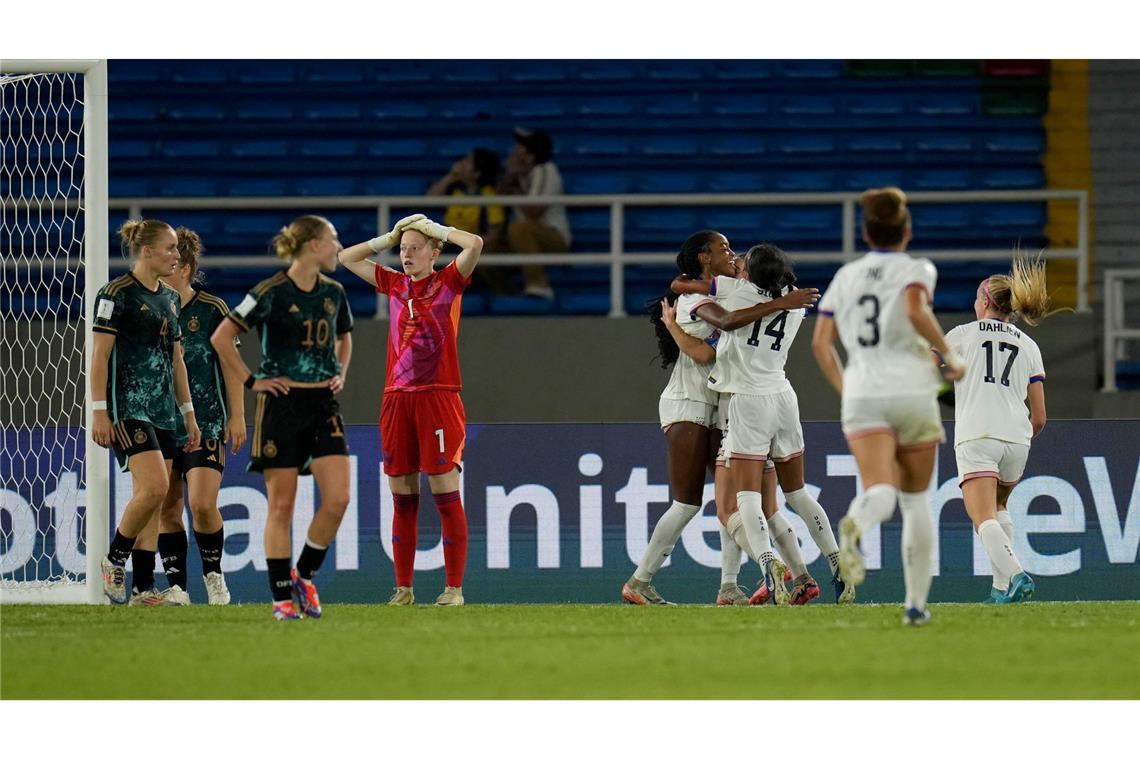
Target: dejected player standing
(422, 421)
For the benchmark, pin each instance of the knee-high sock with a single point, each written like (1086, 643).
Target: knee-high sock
(730, 558)
(405, 534)
(784, 536)
(453, 521)
(874, 506)
(1006, 523)
(755, 526)
(917, 547)
(819, 527)
(665, 536)
(1002, 559)
(735, 528)
(172, 548)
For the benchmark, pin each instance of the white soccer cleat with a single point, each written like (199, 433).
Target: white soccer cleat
(149, 598)
(452, 596)
(176, 596)
(216, 592)
(851, 567)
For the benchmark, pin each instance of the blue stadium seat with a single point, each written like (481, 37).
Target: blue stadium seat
(391, 185)
(467, 110)
(956, 144)
(1015, 144)
(807, 69)
(806, 145)
(197, 112)
(815, 106)
(266, 72)
(205, 223)
(1012, 179)
(472, 72)
(735, 145)
(334, 72)
(668, 145)
(742, 70)
(929, 218)
(744, 222)
(601, 145)
(537, 108)
(254, 225)
(453, 147)
(740, 105)
(597, 183)
(129, 187)
(260, 149)
(120, 148)
(804, 181)
(522, 305)
(333, 111)
(676, 71)
(190, 187)
(596, 302)
(861, 179)
(737, 182)
(808, 223)
(588, 219)
(667, 182)
(1003, 215)
(943, 179)
(399, 110)
(119, 109)
(190, 149)
(270, 110)
(948, 104)
(608, 71)
(531, 72)
(397, 148)
(612, 105)
(672, 106)
(339, 185)
(198, 72)
(257, 186)
(663, 220)
(879, 145)
(124, 71)
(878, 105)
(329, 148)
(401, 72)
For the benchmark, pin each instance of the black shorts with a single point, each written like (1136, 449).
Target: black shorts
(293, 429)
(211, 453)
(135, 436)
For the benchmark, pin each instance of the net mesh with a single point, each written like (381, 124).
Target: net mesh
(42, 338)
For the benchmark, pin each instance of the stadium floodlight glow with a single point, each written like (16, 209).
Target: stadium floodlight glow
(54, 481)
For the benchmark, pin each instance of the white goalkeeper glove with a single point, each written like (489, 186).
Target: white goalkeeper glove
(389, 239)
(431, 229)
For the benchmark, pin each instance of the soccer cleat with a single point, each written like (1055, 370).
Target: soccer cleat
(997, 596)
(403, 597)
(1021, 587)
(151, 597)
(305, 596)
(779, 589)
(176, 596)
(286, 610)
(844, 592)
(804, 590)
(915, 616)
(762, 595)
(216, 591)
(642, 592)
(851, 567)
(731, 595)
(114, 581)
(452, 596)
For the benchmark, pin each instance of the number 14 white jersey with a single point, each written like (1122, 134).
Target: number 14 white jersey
(1001, 362)
(751, 359)
(885, 355)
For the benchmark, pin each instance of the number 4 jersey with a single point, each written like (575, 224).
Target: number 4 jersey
(885, 355)
(751, 359)
(1001, 362)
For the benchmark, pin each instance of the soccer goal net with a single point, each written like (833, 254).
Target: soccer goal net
(53, 251)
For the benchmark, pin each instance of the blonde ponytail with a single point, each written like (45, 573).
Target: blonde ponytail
(1022, 294)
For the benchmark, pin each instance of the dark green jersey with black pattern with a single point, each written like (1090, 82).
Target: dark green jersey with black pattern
(140, 378)
(298, 328)
(200, 317)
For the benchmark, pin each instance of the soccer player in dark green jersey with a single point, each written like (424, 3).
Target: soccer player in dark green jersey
(138, 390)
(219, 406)
(305, 322)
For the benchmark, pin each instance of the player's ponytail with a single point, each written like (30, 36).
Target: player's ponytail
(1022, 293)
(689, 262)
(288, 242)
(190, 252)
(885, 216)
(135, 234)
(769, 269)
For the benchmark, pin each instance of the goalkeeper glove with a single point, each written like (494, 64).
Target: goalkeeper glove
(389, 239)
(431, 229)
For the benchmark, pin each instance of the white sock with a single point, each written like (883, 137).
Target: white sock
(874, 506)
(735, 528)
(802, 503)
(1002, 559)
(917, 547)
(755, 526)
(1006, 523)
(730, 558)
(665, 536)
(784, 536)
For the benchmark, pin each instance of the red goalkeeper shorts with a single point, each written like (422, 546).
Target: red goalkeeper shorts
(422, 431)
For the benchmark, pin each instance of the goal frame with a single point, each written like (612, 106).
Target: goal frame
(96, 269)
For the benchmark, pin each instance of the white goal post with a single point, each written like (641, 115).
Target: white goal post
(54, 480)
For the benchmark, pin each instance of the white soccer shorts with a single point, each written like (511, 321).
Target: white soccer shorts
(764, 427)
(991, 458)
(913, 420)
(673, 410)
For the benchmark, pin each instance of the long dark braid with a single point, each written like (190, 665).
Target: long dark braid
(688, 262)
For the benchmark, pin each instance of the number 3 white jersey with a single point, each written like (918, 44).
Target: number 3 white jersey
(885, 355)
(751, 359)
(1001, 361)
(689, 380)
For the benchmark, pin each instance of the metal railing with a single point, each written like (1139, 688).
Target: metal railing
(1115, 332)
(617, 257)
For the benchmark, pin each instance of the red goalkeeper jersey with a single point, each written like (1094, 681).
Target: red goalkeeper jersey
(424, 323)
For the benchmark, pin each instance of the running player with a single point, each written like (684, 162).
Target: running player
(992, 431)
(880, 306)
(688, 414)
(221, 415)
(764, 419)
(138, 390)
(305, 324)
(422, 421)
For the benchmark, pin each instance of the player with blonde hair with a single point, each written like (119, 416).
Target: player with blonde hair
(880, 306)
(992, 432)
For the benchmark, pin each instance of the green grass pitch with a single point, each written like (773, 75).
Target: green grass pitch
(1072, 650)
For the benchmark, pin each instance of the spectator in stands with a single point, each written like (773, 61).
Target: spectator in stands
(477, 173)
(537, 228)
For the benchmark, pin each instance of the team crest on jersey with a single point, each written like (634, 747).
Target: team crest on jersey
(330, 307)
(140, 436)
(293, 308)
(193, 326)
(269, 450)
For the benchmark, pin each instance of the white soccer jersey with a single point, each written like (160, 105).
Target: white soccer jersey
(1001, 362)
(751, 359)
(689, 380)
(885, 355)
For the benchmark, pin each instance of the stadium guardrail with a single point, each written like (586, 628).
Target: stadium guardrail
(1115, 331)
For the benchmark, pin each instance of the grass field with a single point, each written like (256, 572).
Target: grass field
(1079, 650)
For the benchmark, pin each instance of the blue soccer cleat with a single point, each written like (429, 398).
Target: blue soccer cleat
(1021, 587)
(915, 616)
(997, 596)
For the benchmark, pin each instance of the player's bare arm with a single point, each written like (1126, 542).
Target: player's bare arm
(344, 356)
(922, 318)
(695, 348)
(355, 257)
(223, 342)
(1037, 416)
(185, 401)
(718, 316)
(823, 346)
(235, 408)
(101, 419)
(684, 284)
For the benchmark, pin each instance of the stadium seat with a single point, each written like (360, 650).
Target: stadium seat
(452, 147)
(603, 145)
(816, 106)
(806, 145)
(861, 179)
(129, 187)
(929, 217)
(943, 179)
(746, 222)
(667, 182)
(401, 72)
(330, 148)
(665, 145)
(205, 223)
(125, 71)
(397, 148)
(266, 72)
(735, 145)
(807, 69)
(391, 185)
(190, 187)
(190, 149)
(254, 225)
(619, 105)
(1013, 179)
(199, 72)
(333, 111)
(1014, 103)
(536, 108)
(519, 305)
(742, 70)
(260, 149)
(1016, 68)
(472, 72)
(133, 110)
(804, 181)
(588, 220)
(597, 183)
(944, 68)
(1004, 215)
(608, 71)
(271, 110)
(597, 302)
(399, 111)
(330, 186)
(739, 105)
(257, 186)
(197, 112)
(531, 72)
(737, 182)
(467, 110)
(334, 72)
(877, 105)
(941, 144)
(885, 69)
(665, 220)
(948, 104)
(672, 106)
(1005, 143)
(676, 71)
(129, 149)
(811, 223)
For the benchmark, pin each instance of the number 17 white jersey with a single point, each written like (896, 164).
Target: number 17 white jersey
(1001, 361)
(885, 355)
